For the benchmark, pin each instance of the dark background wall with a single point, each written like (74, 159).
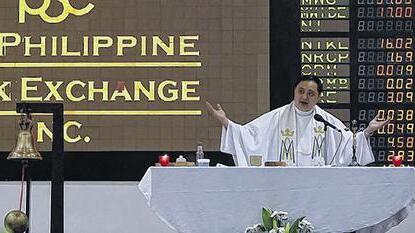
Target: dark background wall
(100, 166)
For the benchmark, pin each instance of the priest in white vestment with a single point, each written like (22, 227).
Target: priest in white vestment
(291, 134)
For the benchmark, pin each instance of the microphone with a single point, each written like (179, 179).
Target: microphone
(319, 118)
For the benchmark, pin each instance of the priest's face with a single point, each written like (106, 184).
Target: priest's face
(306, 95)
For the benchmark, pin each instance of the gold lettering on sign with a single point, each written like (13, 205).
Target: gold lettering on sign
(42, 130)
(318, 2)
(93, 46)
(37, 89)
(41, 11)
(324, 57)
(324, 45)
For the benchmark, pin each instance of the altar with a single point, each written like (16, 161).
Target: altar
(341, 199)
(169, 200)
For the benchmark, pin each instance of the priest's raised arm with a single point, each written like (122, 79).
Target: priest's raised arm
(291, 134)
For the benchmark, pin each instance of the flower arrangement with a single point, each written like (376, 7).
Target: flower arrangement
(277, 222)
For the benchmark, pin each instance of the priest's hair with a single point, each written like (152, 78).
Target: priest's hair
(315, 79)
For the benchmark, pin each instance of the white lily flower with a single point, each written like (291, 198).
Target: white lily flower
(305, 224)
(278, 213)
(254, 229)
(281, 230)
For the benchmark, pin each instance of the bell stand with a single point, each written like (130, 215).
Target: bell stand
(28, 179)
(57, 159)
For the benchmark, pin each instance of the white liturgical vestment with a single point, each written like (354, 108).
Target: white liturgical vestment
(290, 135)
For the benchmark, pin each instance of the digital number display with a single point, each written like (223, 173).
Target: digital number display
(367, 68)
(386, 44)
(385, 75)
(388, 84)
(396, 138)
(385, 12)
(385, 25)
(382, 56)
(386, 97)
(386, 70)
(384, 2)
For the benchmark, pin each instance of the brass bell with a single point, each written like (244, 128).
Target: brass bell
(16, 221)
(25, 148)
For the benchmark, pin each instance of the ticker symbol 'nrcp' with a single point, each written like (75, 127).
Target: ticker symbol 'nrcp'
(41, 11)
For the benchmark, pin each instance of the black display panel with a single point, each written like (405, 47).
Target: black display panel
(384, 37)
(363, 50)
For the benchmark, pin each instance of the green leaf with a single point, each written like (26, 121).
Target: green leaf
(294, 227)
(274, 223)
(288, 228)
(266, 219)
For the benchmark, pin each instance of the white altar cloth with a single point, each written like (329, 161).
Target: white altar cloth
(227, 200)
(90, 207)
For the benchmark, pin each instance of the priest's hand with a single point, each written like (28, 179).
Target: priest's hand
(376, 124)
(218, 113)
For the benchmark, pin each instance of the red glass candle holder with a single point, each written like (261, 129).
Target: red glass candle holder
(164, 160)
(397, 161)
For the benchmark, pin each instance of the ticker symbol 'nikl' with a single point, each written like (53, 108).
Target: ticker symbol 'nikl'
(41, 11)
